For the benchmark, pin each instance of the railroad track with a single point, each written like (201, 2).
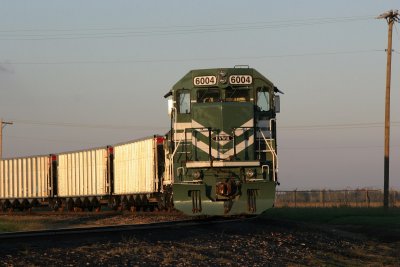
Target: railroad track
(90, 234)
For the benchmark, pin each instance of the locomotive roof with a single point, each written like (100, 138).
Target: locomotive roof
(187, 80)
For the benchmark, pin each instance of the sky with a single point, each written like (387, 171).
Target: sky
(84, 74)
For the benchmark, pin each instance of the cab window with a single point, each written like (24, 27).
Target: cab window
(237, 95)
(208, 95)
(263, 101)
(184, 102)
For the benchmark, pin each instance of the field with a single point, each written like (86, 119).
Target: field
(373, 222)
(280, 237)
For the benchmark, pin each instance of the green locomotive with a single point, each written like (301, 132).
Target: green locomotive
(221, 152)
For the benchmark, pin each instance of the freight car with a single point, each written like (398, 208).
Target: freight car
(218, 158)
(123, 176)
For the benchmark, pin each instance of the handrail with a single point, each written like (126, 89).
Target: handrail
(262, 168)
(270, 126)
(183, 170)
(274, 156)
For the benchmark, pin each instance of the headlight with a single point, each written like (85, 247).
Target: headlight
(250, 173)
(196, 174)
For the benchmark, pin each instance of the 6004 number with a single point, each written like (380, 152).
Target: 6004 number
(240, 79)
(205, 80)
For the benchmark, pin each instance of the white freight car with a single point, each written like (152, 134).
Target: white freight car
(138, 168)
(83, 177)
(24, 180)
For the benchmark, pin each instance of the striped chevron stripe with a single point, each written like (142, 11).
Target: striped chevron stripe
(225, 146)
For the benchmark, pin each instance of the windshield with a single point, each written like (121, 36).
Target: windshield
(231, 95)
(237, 95)
(208, 95)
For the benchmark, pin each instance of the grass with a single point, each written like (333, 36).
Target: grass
(373, 222)
(348, 216)
(364, 217)
(13, 224)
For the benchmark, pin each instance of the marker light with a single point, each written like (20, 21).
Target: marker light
(196, 175)
(250, 173)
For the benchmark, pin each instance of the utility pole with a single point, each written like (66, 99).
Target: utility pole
(390, 16)
(2, 125)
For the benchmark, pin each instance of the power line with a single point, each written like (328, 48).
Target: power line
(332, 147)
(91, 126)
(133, 61)
(165, 30)
(51, 140)
(280, 147)
(337, 126)
(147, 127)
(272, 22)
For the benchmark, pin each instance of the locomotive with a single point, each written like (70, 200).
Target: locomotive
(222, 150)
(218, 158)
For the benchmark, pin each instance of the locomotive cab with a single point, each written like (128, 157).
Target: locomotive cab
(221, 150)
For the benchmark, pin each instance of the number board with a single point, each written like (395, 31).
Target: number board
(205, 80)
(240, 79)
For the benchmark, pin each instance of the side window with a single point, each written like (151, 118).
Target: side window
(184, 102)
(263, 100)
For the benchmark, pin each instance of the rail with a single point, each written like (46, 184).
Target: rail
(105, 232)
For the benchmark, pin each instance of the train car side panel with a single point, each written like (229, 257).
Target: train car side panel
(24, 178)
(135, 167)
(82, 173)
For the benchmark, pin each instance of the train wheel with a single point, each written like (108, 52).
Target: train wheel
(114, 203)
(79, 205)
(125, 205)
(95, 204)
(70, 205)
(58, 206)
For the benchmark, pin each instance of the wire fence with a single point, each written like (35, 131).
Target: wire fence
(335, 198)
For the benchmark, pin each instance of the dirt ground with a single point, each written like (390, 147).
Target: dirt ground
(259, 242)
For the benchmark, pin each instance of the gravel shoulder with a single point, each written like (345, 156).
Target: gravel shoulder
(256, 242)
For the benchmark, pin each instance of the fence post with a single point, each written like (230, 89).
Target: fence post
(295, 198)
(322, 200)
(367, 200)
(393, 199)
